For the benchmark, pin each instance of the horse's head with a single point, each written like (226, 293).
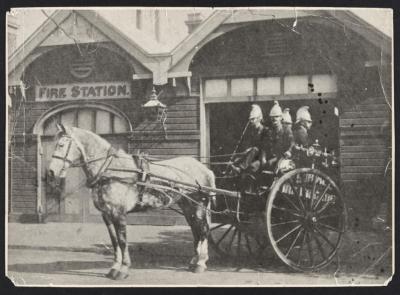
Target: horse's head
(67, 152)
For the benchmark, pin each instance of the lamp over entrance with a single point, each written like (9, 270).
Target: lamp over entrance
(155, 109)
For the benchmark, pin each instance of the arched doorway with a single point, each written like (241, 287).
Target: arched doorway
(75, 205)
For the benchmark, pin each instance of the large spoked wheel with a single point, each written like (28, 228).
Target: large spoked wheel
(306, 218)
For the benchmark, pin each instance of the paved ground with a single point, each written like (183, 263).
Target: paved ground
(79, 254)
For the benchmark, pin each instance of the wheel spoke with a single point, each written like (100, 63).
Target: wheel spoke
(286, 222)
(290, 201)
(294, 242)
(322, 195)
(286, 210)
(327, 226)
(325, 238)
(233, 237)
(288, 233)
(319, 246)
(301, 248)
(313, 191)
(217, 226)
(248, 244)
(224, 235)
(309, 249)
(329, 215)
(323, 208)
(297, 194)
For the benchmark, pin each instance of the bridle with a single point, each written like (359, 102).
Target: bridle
(83, 162)
(65, 159)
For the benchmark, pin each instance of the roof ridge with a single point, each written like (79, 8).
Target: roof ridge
(49, 19)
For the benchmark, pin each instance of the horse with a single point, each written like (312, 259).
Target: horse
(116, 180)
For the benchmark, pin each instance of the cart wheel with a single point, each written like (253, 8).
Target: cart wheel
(234, 241)
(306, 218)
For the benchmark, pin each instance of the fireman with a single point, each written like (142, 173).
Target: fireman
(255, 155)
(302, 126)
(287, 119)
(282, 140)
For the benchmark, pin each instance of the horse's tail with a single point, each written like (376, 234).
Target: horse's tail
(211, 181)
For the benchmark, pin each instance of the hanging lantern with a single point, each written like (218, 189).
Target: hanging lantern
(155, 109)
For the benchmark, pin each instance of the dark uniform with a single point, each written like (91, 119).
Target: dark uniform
(282, 141)
(300, 134)
(255, 155)
(301, 138)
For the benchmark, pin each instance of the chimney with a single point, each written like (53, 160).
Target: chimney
(193, 21)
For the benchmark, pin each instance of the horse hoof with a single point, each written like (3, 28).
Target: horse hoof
(198, 268)
(192, 267)
(121, 276)
(112, 273)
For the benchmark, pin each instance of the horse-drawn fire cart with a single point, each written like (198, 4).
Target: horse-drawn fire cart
(298, 212)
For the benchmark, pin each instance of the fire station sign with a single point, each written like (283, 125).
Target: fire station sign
(83, 91)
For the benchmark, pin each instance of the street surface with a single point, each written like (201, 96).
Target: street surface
(65, 254)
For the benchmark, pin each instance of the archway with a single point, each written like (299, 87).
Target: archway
(75, 204)
(266, 61)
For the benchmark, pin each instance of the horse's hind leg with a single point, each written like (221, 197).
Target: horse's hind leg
(189, 213)
(117, 250)
(202, 229)
(120, 225)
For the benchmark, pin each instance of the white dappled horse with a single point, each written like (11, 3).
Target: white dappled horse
(113, 176)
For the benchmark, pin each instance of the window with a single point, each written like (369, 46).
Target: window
(216, 88)
(242, 87)
(296, 85)
(324, 83)
(269, 86)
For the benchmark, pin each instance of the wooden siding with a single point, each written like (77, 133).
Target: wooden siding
(23, 186)
(364, 152)
(363, 147)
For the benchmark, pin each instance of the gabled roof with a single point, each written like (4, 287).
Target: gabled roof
(135, 43)
(225, 17)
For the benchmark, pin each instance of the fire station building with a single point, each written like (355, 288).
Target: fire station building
(337, 64)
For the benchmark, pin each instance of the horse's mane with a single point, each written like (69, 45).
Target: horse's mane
(88, 137)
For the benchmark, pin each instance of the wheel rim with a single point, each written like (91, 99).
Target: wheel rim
(306, 219)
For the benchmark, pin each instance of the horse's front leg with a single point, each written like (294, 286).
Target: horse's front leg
(120, 222)
(117, 250)
(201, 225)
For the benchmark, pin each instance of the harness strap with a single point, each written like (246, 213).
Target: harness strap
(144, 174)
(92, 180)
